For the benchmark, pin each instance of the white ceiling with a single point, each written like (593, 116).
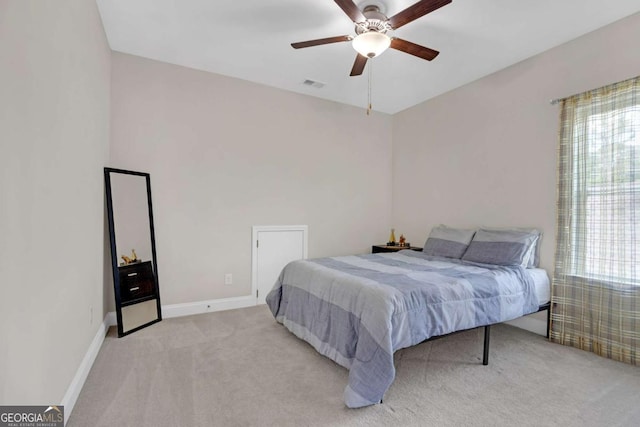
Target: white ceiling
(250, 40)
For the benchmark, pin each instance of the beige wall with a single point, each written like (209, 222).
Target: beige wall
(225, 154)
(54, 136)
(484, 154)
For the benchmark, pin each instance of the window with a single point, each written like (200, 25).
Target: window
(595, 296)
(606, 195)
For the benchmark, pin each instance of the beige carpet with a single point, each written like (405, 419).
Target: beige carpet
(241, 368)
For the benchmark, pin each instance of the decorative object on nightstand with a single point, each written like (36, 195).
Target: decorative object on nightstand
(130, 260)
(392, 238)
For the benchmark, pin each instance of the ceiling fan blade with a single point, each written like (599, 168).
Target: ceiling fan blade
(319, 42)
(413, 49)
(352, 11)
(358, 66)
(416, 11)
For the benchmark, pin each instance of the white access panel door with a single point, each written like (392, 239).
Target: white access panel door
(273, 248)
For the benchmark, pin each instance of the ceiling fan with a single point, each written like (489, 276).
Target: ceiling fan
(371, 31)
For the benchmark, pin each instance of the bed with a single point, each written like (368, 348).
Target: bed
(358, 310)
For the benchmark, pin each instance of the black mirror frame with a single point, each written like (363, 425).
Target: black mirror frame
(114, 255)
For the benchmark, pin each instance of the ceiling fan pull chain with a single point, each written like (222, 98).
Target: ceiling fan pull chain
(369, 89)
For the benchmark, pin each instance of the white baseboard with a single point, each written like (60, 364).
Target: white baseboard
(530, 324)
(73, 392)
(168, 311)
(200, 307)
(111, 318)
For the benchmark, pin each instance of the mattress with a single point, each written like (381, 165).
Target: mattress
(541, 283)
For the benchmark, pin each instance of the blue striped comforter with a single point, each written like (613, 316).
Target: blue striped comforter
(358, 310)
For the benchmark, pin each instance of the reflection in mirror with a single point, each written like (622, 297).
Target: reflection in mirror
(130, 216)
(132, 241)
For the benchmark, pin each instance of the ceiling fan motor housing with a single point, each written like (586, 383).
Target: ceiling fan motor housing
(376, 21)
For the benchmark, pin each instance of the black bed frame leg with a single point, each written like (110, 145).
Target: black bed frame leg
(485, 355)
(548, 320)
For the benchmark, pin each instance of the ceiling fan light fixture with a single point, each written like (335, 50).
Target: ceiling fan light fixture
(371, 43)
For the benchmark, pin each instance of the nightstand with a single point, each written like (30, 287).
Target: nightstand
(136, 283)
(384, 248)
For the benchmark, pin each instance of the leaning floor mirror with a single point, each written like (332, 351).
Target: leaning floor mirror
(133, 249)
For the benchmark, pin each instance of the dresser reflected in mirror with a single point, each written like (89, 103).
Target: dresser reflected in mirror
(133, 249)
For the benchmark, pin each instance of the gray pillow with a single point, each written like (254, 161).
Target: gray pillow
(501, 247)
(534, 258)
(447, 242)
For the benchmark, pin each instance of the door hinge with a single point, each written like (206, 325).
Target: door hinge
(257, 292)
(257, 243)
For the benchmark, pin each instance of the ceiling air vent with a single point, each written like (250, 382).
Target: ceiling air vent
(313, 83)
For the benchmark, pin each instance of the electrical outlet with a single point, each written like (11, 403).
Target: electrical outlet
(228, 279)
